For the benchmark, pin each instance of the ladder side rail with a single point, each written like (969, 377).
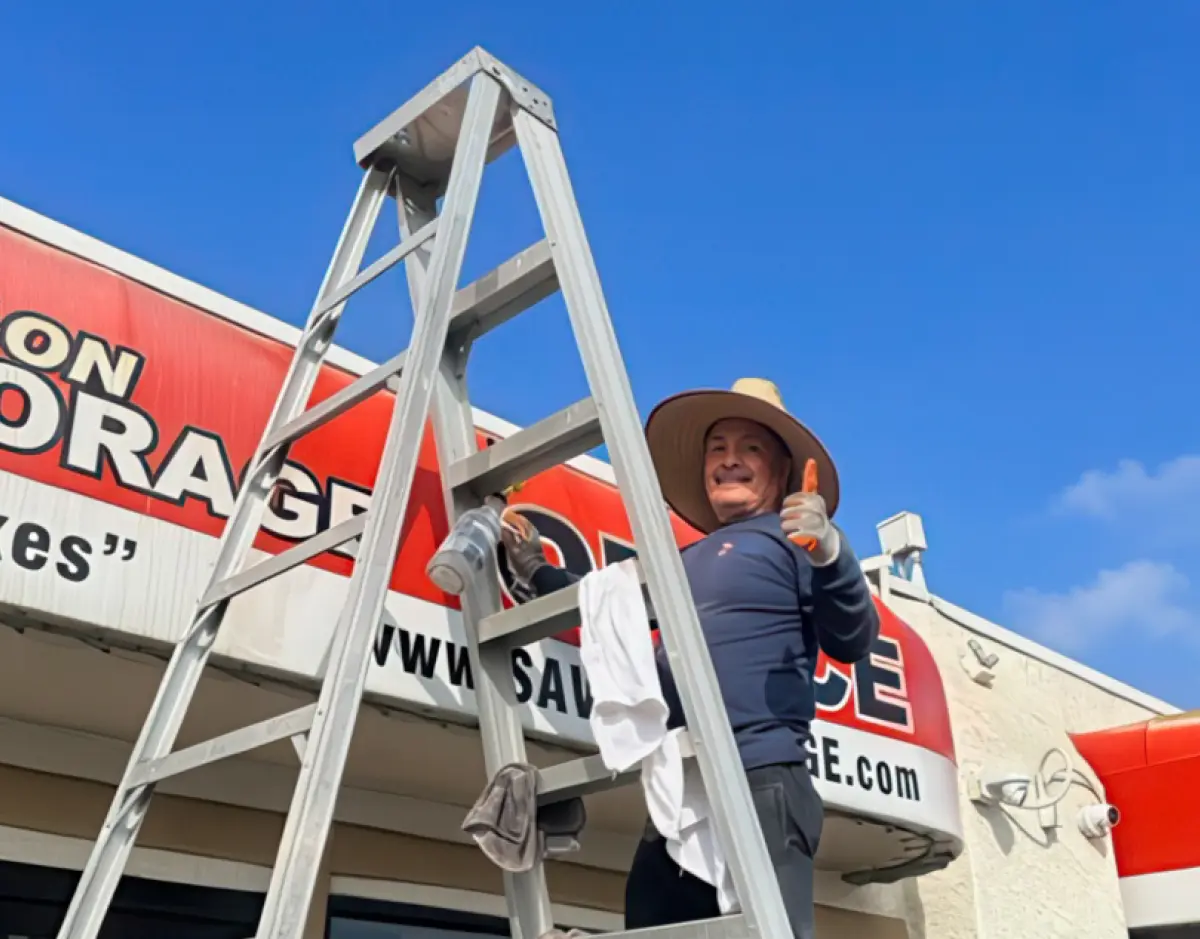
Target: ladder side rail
(311, 349)
(708, 724)
(110, 853)
(501, 733)
(311, 814)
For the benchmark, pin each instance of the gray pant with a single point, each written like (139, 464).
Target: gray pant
(659, 893)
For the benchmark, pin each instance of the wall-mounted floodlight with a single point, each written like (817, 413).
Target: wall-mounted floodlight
(1001, 789)
(978, 663)
(986, 659)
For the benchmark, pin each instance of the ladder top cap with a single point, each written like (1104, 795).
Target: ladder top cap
(419, 137)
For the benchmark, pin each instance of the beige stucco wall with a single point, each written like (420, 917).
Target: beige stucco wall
(1014, 879)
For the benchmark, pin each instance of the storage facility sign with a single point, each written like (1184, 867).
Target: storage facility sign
(126, 419)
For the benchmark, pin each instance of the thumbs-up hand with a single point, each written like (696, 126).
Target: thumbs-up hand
(806, 521)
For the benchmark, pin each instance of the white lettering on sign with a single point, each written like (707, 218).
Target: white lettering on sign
(108, 432)
(197, 466)
(84, 360)
(31, 410)
(102, 431)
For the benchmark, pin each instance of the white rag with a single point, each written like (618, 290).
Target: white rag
(629, 721)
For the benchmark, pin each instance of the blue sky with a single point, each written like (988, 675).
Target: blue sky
(962, 238)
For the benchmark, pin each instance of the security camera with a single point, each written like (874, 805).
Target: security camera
(1005, 789)
(1096, 821)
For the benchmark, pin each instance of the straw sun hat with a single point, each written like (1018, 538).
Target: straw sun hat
(676, 429)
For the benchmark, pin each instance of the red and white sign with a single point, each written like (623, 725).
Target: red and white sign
(1151, 773)
(126, 418)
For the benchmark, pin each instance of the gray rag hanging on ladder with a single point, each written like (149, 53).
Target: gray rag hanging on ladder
(513, 830)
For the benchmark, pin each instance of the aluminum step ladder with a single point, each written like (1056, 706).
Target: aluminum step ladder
(436, 147)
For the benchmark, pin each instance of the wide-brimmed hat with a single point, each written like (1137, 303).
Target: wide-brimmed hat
(676, 429)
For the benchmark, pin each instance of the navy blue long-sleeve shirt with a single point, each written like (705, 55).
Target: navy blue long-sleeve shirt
(765, 611)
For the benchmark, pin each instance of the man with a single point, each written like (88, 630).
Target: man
(773, 581)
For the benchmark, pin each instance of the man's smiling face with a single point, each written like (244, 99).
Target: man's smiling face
(745, 470)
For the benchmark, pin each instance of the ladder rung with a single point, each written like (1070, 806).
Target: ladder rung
(723, 927)
(339, 403)
(285, 560)
(587, 775)
(538, 619)
(381, 266)
(235, 742)
(523, 280)
(479, 307)
(580, 777)
(570, 432)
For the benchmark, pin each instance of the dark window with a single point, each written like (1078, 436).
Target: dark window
(34, 899)
(352, 918)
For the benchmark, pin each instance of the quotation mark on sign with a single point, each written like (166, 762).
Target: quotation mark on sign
(128, 546)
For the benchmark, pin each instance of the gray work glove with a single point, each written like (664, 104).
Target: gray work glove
(806, 521)
(523, 547)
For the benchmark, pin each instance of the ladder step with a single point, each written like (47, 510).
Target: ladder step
(381, 266)
(285, 561)
(587, 775)
(570, 432)
(526, 278)
(723, 927)
(538, 619)
(338, 403)
(481, 306)
(236, 742)
(582, 777)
